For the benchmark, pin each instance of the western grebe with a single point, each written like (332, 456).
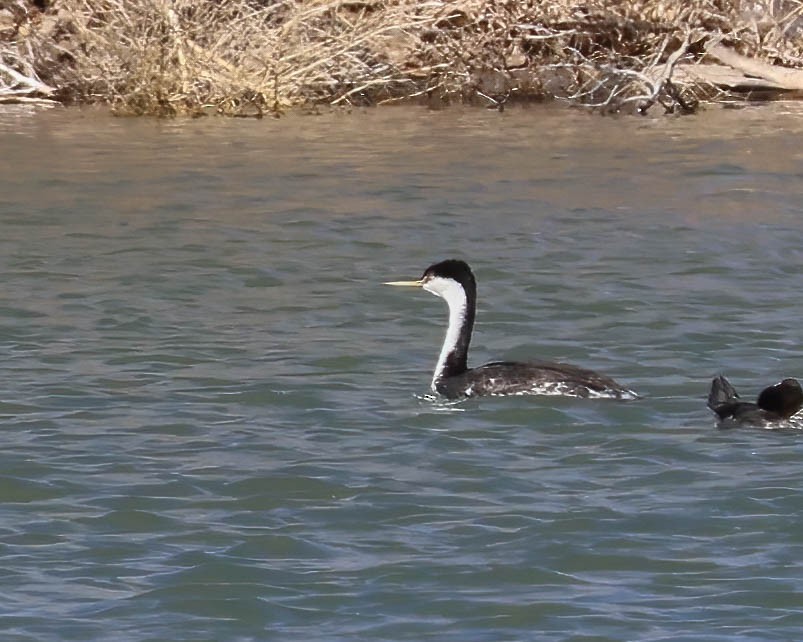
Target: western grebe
(453, 281)
(774, 404)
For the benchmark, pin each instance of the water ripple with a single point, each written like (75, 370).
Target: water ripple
(216, 422)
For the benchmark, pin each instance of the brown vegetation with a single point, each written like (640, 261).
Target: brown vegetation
(255, 57)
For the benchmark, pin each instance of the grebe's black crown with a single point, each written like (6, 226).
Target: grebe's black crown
(452, 269)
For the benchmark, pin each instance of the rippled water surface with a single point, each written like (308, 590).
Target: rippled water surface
(212, 423)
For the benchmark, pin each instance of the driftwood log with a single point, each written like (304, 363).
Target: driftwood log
(741, 74)
(22, 86)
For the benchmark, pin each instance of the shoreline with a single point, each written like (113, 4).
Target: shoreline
(256, 58)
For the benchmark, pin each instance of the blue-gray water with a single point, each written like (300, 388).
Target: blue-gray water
(211, 423)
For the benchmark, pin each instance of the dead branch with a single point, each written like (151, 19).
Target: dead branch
(773, 77)
(14, 84)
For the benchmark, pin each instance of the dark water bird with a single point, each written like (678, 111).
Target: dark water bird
(453, 281)
(775, 404)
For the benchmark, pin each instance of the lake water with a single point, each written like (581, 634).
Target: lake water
(212, 415)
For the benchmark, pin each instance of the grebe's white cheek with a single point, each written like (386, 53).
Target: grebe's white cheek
(433, 287)
(448, 289)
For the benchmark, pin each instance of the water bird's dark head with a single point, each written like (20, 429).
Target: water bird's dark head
(453, 269)
(446, 279)
(784, 398)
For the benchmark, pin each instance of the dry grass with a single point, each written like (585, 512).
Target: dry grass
(236, 57)
(255, 57)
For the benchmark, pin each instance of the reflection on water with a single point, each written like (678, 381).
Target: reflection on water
(212, 423)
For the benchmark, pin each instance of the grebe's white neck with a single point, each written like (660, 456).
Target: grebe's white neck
(454, 352)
